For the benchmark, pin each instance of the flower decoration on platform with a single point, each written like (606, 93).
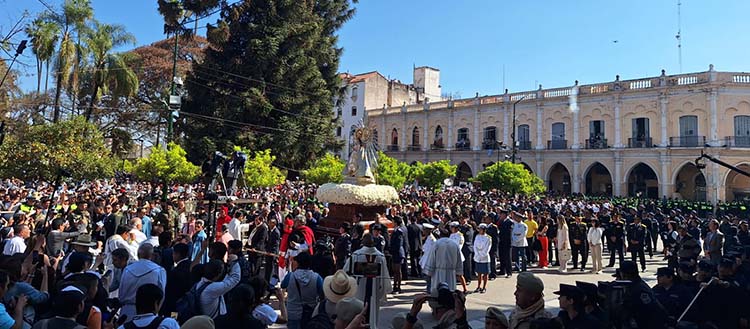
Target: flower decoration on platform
(367, 195)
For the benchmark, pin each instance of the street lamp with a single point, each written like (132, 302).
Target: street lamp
(513, 133)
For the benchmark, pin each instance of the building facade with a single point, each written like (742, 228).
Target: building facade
(374, 91)
(620, 138)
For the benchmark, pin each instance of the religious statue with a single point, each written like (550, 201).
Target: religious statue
(363, 158)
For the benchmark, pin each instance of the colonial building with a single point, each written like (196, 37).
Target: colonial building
(372, 90)
(625, 137)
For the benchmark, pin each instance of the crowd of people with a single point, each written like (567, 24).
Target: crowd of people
(106, 254)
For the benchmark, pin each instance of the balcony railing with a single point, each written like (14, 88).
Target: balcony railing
(687, 141)
(414, 148)
(596, 143)
(463, 146)
(437, 147)
(558, 144)
(489, 145)
(524, 145)
(738, 141)
(640, 143)
(392, 148)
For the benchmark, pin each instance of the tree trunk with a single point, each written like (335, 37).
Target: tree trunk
(38, 76)
(90, 108)
(46, 78)
(58, 89)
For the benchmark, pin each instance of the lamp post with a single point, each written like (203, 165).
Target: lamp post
(513, 133)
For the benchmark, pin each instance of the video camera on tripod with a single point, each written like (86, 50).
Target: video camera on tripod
(228, 169)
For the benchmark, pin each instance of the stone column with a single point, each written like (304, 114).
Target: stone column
(539, 126)
(716, 183)
(576, 179)
(403, 143)
(664, 180)
(476, 144)
(576, 121)
(539, 167)
(617, 181)
(449, 144)
(426, 127)
(663, 100)
(618, 123)
(506, 124)
(713, 138)
(384, 137)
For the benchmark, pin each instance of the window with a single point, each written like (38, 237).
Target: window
(490, 134)
(742, 125)
(438, 136)
(688, 125)
(596, 129)
(558, 131)
(463, 135)
(415, 136)
(338, 131)
(354, 111)
(394, 137)
(641, 129)
(523, 133)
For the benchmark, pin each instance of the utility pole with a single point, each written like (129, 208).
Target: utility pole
(172, 105)
(513, 132)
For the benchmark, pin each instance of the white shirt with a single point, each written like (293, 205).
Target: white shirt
(143, 320)
(14, 245)
(139, 236)
(595, 235)
(153, 241)
(519, 235)
(482, 244)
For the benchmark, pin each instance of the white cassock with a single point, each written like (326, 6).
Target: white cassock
(443, 264)
(458, 238)
(382, 283)
(429, 243)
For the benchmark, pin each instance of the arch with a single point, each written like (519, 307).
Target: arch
(438, 141)
(598, 180)
(527, 167)
(690, 183)
(737, 186)
(642, 181)
(415, 136)
(463, 173)
(394, 136)
(559, 179)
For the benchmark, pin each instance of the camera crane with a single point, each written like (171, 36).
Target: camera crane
(700, 164)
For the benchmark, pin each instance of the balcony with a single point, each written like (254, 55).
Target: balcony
(596, 144)
(524, 145)
(738, 141)
(392, 148)
(414, 148)
(687, 141)
(558, 144)
(437, 147)
(640, 143)
(463, 145)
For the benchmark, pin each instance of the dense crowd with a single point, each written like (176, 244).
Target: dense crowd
(106, 254)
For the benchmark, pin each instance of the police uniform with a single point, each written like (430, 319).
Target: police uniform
(676, 298)
(643, 307)
(578, 232)
(493, 233)
(615, 234)
(636, 238)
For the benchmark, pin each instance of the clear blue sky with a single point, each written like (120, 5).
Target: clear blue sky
(544, 42)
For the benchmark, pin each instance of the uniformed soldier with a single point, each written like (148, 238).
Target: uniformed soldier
(637, 239)
(674, 297)
(592, 301)
(642, 308)
(578, 242)
(468, 248)
(615, 234)
(493, 233)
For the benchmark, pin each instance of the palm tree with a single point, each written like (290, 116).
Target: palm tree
(75, 13)
(109, 69)
(44, 35)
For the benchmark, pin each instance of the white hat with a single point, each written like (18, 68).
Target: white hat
(428, 226)
(347, 308)
(483, 226)
(454, 224)
(338, 286)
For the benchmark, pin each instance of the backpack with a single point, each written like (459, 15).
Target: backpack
(190, 305)
(154, 324)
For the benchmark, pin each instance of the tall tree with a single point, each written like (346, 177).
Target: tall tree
(44, 35)
(74, 14)
(109, 68)
(270, 73)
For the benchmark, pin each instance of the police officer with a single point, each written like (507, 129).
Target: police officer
(637, 238)
(615, 234)
(674, 297)
(641, 306)
(505, 233)
(468, 248)
(592, 301)
(579, 244)
(494, 234)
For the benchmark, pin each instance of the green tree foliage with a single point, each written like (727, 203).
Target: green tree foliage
(270, 72)
(432, 174)
(169, 166)
(391, 171)
(38, 151)
(511, 178)
(259, 169)
(328, 169)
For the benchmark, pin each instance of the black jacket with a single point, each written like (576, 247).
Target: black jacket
(414, 231)
(178, 284)
(506, 232)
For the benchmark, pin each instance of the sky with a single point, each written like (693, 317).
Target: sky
(548, 42)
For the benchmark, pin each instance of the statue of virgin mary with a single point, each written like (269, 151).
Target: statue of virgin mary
(363, 158)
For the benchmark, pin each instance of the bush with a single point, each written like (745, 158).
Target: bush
(169, 166)
(39, 151)
(511, 178)
(328, 169)
(259, 169)
(432, 174)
